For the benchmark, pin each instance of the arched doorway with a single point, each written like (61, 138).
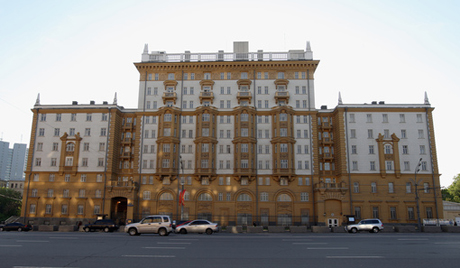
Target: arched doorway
(118, 209)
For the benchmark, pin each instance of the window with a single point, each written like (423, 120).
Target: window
(410, 213)
(89, 117)
(391, 189)
(393, 213)
(103, 132)
(353, 149)
(57, 132)
(38, 162)
(419, 118)
(403, 134)
(375, 212)
(87, 131)
(384, 118)
(426, 188)
(48, 209)
(80, 209)
(402, 118)
(205, 197)
(373, 187)
(41, 132)
(372, 165)
(371, 149)
(84, 162)
(406, 165)
(104, 117)
(304, 197)
(356, 187)
(284, 198)
(405, 149)
(408, 187)
(420, 134)
(352, 118)
(370, 134)
(422, 149)
(353, 133)
(355, 165)
(389, 165)
(264, 197)
(358, 212)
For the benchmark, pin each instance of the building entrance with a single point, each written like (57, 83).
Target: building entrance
(118, 209)
(332, 223)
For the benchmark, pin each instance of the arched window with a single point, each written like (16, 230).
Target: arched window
(166, 196)
(244, 197)
(70, 147)
(204, 197)
(284, 198)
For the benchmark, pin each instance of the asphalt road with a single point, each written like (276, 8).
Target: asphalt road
(57, 249)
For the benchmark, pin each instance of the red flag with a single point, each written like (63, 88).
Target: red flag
(181, 198)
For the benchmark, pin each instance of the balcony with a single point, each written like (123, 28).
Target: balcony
(244, 96)
(127, 141)
(128, 126)
(206, 96)
(327, 156)
(331, 187)
(128, 185)
(169, 96)
(326, 141)
(326, 125)
(282, 96)
(126, 155)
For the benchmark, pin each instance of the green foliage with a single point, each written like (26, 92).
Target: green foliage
(10, 204)
(452, 193)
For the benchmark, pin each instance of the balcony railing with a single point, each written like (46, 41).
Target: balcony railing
(222, 56)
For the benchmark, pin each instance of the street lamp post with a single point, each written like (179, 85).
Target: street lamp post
(417, 169)
(182, 182)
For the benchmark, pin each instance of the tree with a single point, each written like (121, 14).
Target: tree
(452, 193)
(10, 203)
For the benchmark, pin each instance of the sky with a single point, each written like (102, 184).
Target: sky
(369, 50)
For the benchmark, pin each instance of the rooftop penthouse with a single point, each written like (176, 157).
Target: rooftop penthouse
(240, 53)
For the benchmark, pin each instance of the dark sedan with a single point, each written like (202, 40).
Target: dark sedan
(15, 226)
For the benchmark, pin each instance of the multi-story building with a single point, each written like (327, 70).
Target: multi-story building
(12, 163)
(234, 138)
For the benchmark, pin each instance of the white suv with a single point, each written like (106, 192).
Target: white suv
(371, 225)
(153, 224)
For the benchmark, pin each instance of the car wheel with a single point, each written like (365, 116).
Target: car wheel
(354, 230)
(106, 229)
(132, 232)
(375, 230)
(183, 231)
(87, 229)
(19, 229)
(208, 231)
(162, 232)
(1, 229)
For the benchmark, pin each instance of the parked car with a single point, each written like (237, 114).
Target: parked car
(371, 225)
(198, 226)
(179, 223)
(153, 224)
(15, 226)
(105, 225)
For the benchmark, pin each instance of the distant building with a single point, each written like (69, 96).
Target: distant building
(12, 161)
(239, 132)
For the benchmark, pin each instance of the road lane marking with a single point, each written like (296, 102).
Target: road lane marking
(328, 248)
(41, 267)
(173, 243)
(183, 239)
(32, 241)
(412, 239)
(312, 243)
(447, 243)
(149, 256)
(354, 257)
(164, 247)
(63, 237)
(12, 246)
(300, 239)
